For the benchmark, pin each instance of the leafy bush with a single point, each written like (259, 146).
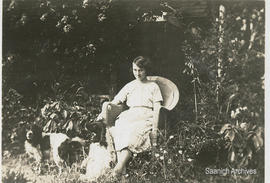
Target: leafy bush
(222, 90)
(245, 141)
(70, 110)
(15, 115)
(225, 88)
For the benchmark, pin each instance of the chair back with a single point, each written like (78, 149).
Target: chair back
(169, 91)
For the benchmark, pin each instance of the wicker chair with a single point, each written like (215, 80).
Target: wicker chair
(170, 96)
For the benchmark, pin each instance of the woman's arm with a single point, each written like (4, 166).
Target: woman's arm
(118, 99)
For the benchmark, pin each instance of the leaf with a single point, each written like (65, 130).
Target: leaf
(53, 104)
(46, 128)
(70, 126)
(57, 107)
(249, 153)
(43, 110)
(232, 97)
(232, 156)
(257, 142)
(244, 161)
(53, 115)
(259, 131)
(65, 114)
(230, 135)
(224, 128)
(53, 126)
(79, 89)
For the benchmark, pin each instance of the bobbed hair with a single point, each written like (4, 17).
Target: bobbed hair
(143, 63)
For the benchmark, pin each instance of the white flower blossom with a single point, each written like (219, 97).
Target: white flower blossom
(244, 27)
(189, 159)
(238, 18)
(233, 115)
(244, 126)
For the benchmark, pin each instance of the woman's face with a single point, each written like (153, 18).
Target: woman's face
(139, 73)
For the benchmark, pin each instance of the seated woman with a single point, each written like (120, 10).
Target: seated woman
(133, 132)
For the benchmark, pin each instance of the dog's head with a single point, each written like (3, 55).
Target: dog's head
(34, 134)
(70, 151)
(98, 131)
(18, 134)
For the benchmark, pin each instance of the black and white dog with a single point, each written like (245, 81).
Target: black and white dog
(101, 155)
(40, 146)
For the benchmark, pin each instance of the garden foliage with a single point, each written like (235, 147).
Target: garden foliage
(57, 55)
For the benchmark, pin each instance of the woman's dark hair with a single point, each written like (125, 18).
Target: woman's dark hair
(143, 62)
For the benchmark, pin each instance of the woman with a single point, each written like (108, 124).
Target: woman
(133, 132)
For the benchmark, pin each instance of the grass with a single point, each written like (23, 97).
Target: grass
(171, 162)
(157, 169)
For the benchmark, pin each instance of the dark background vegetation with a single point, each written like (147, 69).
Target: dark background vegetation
(62, 59)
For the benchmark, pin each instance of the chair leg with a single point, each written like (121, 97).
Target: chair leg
(165, 126)
(124, 179)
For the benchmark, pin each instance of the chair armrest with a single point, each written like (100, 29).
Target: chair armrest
(111, 111)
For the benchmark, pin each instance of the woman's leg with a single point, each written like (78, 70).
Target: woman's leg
(122, 159)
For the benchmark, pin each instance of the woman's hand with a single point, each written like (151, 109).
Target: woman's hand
(100, 117)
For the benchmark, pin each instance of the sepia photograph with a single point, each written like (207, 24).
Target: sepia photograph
(133, 91)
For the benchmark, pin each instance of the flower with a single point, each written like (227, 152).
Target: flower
(180, 152)
(64, 19)
(169, 161)
(101, 17)
(67, 28)
(244, 126)
(165, 152)
(189, 159)
(161, 157)
(157, 155)
(43, 17)
(171, 137)
(238, 18)
(85, 3)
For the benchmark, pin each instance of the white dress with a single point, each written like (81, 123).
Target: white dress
(133, 127)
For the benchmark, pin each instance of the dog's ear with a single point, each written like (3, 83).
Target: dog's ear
(95, 125)
(64, 149)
